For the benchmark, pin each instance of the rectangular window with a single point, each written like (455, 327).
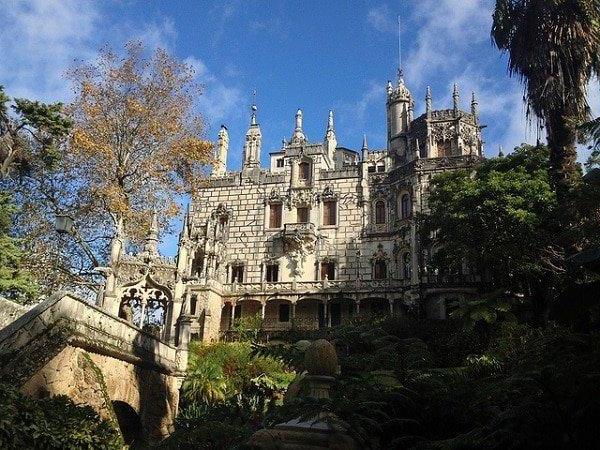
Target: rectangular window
(381, 168)
(193, 302)
(304, 169)
(275, 215)
(329, 212)
(272, 273)
(303, 215)
(279, 162)
(328, 269)
(237, 312)
(284, 312)
(237, 273)
(371, 169)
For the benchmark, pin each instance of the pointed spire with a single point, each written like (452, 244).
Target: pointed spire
(330, 121)
(456, 97)
(428, 102)
(389, 88)
(417, 149)
(474, 105)
(253, 108)
(298, 136)
(365, 145)
(500, 152)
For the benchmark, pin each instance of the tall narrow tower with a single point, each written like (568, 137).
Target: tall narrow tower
(330, 139)
(399, 115)
(252, 143)
(220, 165)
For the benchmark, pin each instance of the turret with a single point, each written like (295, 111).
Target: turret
(253, 142)
(220, 165)
(298, 137)
(330, 139)
(365, 148)
(474, 107)
(399, 116)
(455, 99)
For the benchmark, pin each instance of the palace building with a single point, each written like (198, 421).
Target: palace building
(323, 234)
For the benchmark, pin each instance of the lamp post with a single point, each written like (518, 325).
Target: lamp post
(65, 224)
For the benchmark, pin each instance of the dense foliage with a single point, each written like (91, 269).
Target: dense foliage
(52, 423)
(553, 46)
(227, 392)
(501, 221)
(15, 282)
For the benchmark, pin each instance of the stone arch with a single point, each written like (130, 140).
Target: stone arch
(145, 302)
(310, 312)
(130, 424)
(278, 313)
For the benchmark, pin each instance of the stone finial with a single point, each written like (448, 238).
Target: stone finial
(428, 102)
(253, 110)
(474, 105)
(151, 241)
(455, 97)
(365, 145)
(500, 152)
(417, 149)
(389, 88)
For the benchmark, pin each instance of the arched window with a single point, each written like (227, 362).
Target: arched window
(406, 265)
(380, 212)
(304, 170)
(380, 270)
(405, 206)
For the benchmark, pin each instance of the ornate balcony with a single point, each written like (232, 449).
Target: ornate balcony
(298, 235)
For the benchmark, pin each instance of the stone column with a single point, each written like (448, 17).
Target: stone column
(357, 302)
(232, 315)
(391, 301)
(263, 308)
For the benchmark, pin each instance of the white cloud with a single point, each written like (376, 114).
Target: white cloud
(380, 18)
(218, 101)
(39, 39)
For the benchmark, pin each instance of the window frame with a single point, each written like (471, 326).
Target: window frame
(234, 270)
(329, 210)
(279, 207)
(379, 265)
(303, 208)
(330, 269)
(269, 273)
(383, 219)
(304, 169)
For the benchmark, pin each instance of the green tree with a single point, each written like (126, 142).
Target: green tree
(553, 46)
(501, 220)
(52, 423)
(29, 130)
(15, 282)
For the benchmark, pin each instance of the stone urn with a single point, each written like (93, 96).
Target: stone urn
(321, 432)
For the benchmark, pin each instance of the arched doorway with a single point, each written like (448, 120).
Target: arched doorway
(130, 424)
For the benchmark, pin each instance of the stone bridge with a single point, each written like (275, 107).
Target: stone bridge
(66, 346)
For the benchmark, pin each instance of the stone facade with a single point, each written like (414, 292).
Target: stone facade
(323, 234)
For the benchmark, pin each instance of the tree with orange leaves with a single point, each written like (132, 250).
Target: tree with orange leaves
(136, 144)
(137, 141)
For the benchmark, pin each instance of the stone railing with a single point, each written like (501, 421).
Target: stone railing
(298, 287)
(64, 319)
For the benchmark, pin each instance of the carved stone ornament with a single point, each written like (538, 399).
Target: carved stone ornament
(444, 131)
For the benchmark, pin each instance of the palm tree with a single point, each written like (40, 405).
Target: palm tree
(554, 48)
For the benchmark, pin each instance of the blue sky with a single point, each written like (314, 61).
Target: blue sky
(314, 55)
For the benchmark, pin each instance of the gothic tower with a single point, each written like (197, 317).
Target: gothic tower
(252, 143)
(399, 116)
